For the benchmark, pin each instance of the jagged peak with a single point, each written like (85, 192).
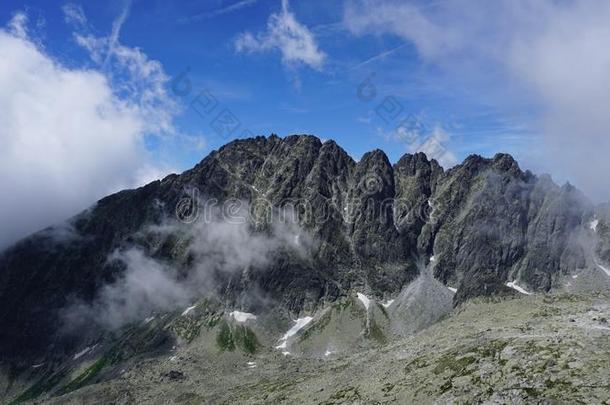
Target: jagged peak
(266, 143)
(376, 155)
(253, 141)
(302, 138)
(501, 162)
(407, 158)
(505, 162)
(474, 159)
(411, 163)
(331, 147)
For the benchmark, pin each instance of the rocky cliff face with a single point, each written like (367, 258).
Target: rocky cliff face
(482, 223)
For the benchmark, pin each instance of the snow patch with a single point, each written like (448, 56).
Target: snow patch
(173, 358)
(328, 353)
(388, 303)
(453, 290)
(365, 300)
(593, 225)
(242, 317)
(298, 325)
(148, 320)
(514, 286)
(575, 276)
(37, 365)
(81, 353)
(604, 269)
(189, 309)
(251, 364)
(433, 258)
(431, 215)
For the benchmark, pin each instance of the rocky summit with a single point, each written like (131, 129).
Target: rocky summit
(281, 270)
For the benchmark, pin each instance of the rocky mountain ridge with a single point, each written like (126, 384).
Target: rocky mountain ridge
(375, 228)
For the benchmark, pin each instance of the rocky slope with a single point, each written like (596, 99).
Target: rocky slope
(539, 349)
(365, 227)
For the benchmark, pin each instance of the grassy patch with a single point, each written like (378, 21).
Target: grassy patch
(246, 339)
(230, 338)
(111, 357)
(416, 364)
(376, 333)
(493, 349)
(344, 395)
(224, 339)
(317, 326)
(43, 385)
(458, 365)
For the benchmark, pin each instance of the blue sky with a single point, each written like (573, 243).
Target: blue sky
(94, 97)
(266, 95)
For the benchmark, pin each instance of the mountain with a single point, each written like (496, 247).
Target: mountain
(267, 230)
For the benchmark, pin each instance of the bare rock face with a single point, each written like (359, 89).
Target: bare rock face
(421, 304)
(600, 225)
(500, 224)
(485, 221)
(416, 180)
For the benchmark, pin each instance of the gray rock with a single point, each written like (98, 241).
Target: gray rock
(486, 221)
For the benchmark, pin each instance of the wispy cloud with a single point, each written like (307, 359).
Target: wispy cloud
(220, 244)
(17, 26)
(547, 54)
(117, 24)
(417, 135)
(74, 14)
(379, 56)
(294, 40)
(133, 74)
(219, 11)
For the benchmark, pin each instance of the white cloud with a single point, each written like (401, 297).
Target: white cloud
(418, 136)
(74, 14)
(17, 25)
(549, 54)
(295, 41)
(403, 19)
(70, 136)
(135, 77)
(435, 146)
(221, 241)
